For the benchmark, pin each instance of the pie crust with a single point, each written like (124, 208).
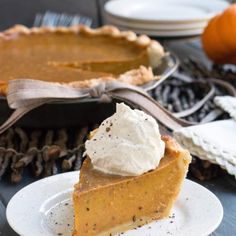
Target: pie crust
(137, 76)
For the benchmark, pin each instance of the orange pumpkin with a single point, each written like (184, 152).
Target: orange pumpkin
(219, 37)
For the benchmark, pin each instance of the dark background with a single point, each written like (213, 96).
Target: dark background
(23, 11)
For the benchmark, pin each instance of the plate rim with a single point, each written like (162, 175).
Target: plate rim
(71, 175)
(159, 33)
(29, 186)
(108, 4)
(154, 26)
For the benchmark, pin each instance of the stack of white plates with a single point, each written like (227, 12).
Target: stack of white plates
(163, 18)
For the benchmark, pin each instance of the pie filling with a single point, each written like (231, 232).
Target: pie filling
(76, 54)
(67, 57)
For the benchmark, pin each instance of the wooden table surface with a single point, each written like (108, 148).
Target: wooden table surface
(223, 187)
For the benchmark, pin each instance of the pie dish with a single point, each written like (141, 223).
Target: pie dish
(107, 204)
(77, 55)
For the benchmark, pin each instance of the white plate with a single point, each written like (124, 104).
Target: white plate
(44, 208)
(165, 10)
(154, 26)
(164, 33)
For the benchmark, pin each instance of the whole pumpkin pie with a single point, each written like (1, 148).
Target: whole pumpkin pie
(117, 194)
(78, 55)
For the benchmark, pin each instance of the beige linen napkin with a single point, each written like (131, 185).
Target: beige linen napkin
(25, 95)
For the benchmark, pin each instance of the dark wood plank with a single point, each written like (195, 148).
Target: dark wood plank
(2, 216)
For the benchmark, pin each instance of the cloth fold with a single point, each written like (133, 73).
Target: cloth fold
(25, 95)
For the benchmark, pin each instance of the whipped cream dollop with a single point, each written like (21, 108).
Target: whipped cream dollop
(128, 143)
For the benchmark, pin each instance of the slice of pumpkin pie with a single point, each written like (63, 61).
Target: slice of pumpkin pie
(131, 176)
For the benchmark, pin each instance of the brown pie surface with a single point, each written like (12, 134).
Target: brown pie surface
(76, 54)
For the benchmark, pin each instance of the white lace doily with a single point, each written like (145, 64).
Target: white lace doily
(228, 104)
(215, 142)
